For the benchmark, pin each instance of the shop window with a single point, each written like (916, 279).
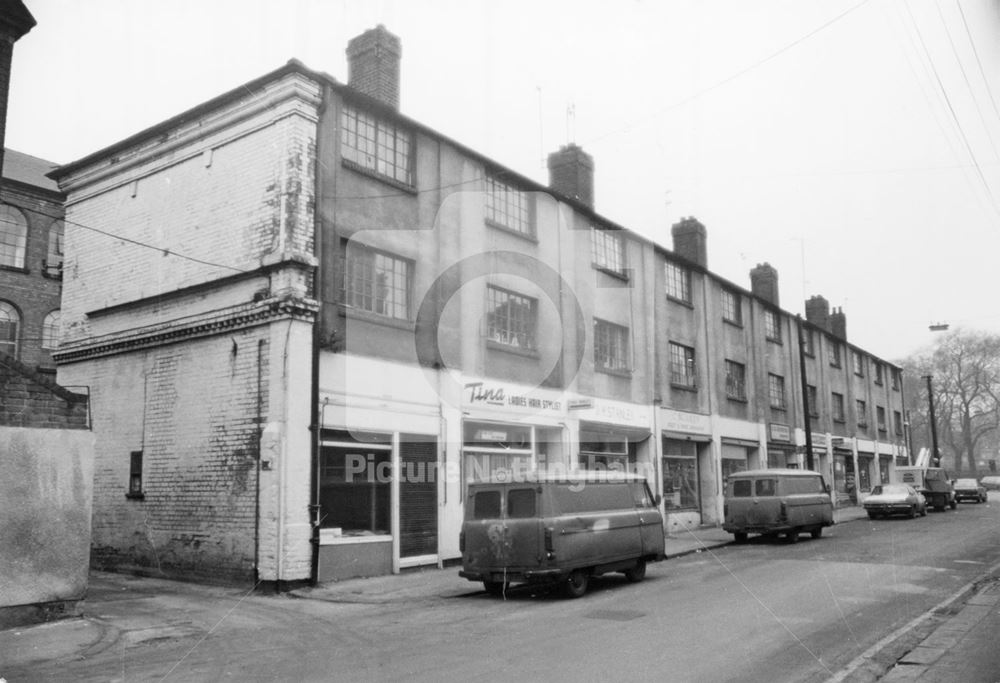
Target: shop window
(511, 319)
(732, 310)
(10, 320)
(355, 483)
(13, 236)
(606, 451)
(373, 144)
(496, 450)
(678, 282)
(736, 380)
(865, 474)
(610, 347)
(682, 368)
(376, 282)
(608, 250)
(507, 206)
(680, 474)
(883, 470)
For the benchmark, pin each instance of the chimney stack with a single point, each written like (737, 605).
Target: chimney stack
(838, 323)
(818, 312)
(571, 173)
(764, 282)
(373, 65)
(691, 241)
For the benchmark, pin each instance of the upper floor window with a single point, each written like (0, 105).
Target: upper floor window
(608, 250)
(808, 342)
(375, 144)
(678, 282)
(54, 257)
(895, 378)
(772, 328)
(813, 400)
(13, 236)
(880, 418)
(511, 319)
(50, 331)
(736, 380)
(859, 363)
(10, 319)
(879, 373)
(377, 282)
(862, 409)
(897, 421)
(610, 347)
(732, 311)
(682, 368)
(507, 206)
(834, 353)
(776, 391)
(837, 406)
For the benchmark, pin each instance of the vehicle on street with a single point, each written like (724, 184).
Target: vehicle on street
(776, 501)
(932, 482)
(559, 530)
(969, 489)
(895, 499)
(991, 482)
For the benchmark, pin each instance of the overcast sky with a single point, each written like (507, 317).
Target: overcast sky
(852, 144)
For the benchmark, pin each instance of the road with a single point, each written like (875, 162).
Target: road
(762, 611)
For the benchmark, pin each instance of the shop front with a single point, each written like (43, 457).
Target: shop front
(781, 451)
(689, 483)
(844, 479)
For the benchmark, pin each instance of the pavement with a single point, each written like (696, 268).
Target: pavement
(959, 639)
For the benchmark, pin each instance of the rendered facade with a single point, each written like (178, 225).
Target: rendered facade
(326, 318)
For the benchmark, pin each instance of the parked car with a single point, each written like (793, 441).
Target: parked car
(895, 499)
(991, 483)
(969, 489)
(776, 501)
(559, 530)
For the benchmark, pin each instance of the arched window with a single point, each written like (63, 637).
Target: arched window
(54, 258)
(50, 331)
(13, 236)
(9, 321)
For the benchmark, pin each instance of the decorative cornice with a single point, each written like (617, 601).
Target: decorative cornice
(205, 325)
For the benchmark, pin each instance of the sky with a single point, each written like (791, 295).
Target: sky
(852, 144)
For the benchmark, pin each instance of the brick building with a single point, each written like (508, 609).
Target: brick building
(310, 320)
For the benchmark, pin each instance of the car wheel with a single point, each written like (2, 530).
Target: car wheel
(576, 583)
(913, 512)
(636, 573)
(740, 536)
(792, 536)
(817, 532)
(495, 587)
(872, 515)
(923, 511)
(953, 504)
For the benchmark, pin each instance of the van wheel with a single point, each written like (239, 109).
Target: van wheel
(792, 536)
(576, 583)
(817, 532)
(495, 587)
(953, 504)
(740, 536)
(636, 573)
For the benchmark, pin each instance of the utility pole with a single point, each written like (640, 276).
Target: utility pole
(805, 394)
(935, 455)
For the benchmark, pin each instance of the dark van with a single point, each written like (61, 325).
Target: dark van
(559, 530)
(776, 501)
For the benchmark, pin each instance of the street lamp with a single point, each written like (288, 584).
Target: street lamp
(935, 456)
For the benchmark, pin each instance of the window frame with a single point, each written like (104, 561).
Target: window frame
(608, 335)
(835, 350)
(135, 490)
(11, 317)
(736, 387)
(858, 363)
(353, 252)
(13, 237)
(371, 158)
(683, 370)
(776, 396)
(677, 282)
(772, 326)
(50, 330)
(812, 391)
(531, 322)
(732, 307)
(604, 241)
(861, 406)
(507, 206)
(837, 408)
(880, 417)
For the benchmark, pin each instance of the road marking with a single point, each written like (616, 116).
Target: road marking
(967, 562)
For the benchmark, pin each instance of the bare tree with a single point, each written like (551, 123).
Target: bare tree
(965, 366)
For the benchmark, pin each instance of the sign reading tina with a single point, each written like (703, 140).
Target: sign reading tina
(479, 392)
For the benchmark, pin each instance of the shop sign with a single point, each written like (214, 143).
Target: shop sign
(680, 421)
(579, 404)
(780, 432)
(482, 393)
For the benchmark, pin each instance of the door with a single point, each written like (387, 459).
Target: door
(418, 497)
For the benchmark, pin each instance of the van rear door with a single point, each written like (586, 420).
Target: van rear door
(484, 529)
(523, 528)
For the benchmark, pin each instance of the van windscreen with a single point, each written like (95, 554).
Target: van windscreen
(486, 505)
(765, 487)
(521, 503)
(742, 488)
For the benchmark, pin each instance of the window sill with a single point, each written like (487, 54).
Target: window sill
(775, 340)
(358, 168)
(15, 269)
(839, 421)
(136, 496)
(352, 540)
(367, 316)
(682, 302)
(734, 323)
(779, 409)
(693, 388)
(626, 374)
(530, 237)
(836, 365)
(513, 350)
(622, 275)
(736, 399)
